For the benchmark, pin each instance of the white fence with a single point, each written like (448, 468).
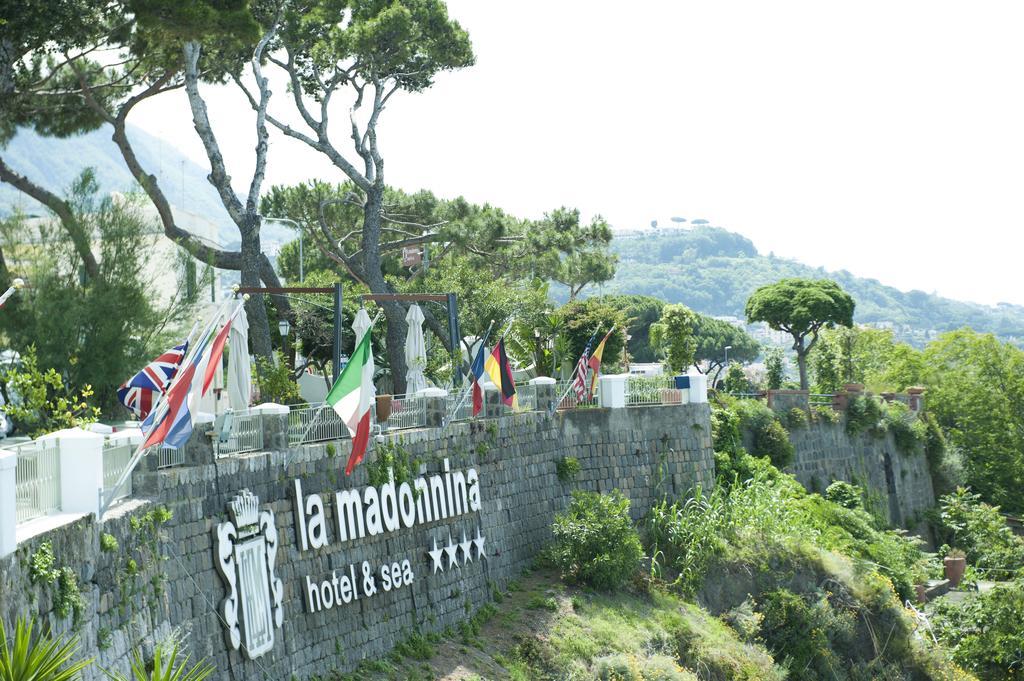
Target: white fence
(646, 390)
(568, 399)
(166, 457)
(37, 480)
(314, 423)
(116, 458)
(456, 411)
(246, 434)
(526, 396)
(406, 412)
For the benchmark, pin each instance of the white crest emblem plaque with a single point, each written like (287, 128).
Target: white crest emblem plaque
(246, 548)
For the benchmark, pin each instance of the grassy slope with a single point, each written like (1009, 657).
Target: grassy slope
(543, 629)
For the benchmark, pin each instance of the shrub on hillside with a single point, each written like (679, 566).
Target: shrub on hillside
(980, 530)
(908, 431)
(769, 437)
(845, 494)
(864, 413)
(595, 541)
(985, 632)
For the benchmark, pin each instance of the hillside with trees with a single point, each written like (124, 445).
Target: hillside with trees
(714, 271)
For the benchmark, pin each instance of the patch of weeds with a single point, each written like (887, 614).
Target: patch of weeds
(481, 450)
(416, 647)
(567, 468)
(108, 544)
(332, 451)
(496, 594)
(104, 638)
(538, 602)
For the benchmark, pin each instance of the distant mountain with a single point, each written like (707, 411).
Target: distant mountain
(714, 271)
(55, 163)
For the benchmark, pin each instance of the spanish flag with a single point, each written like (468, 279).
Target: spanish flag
(498, 368)
(595, 360)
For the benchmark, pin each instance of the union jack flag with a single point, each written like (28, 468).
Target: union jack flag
(140, 392)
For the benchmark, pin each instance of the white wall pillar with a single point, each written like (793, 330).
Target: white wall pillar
(8, 507)
(698, 387)
(81, 469)
(613, 390)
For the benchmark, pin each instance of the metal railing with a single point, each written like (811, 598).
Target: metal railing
(570, 399)
(642, 390)
(115, 460)
(406, 412)
(314, 423)
(36, 480)
(168, 458)
(463, 411)
(526, 395)
(246, 434)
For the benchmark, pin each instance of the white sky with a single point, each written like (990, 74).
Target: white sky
(885, 138)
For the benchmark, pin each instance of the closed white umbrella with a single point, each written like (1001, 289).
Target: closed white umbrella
(359, 326)
(239, 371)
(415, 351)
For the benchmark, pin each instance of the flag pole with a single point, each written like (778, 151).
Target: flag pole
(316, 417)
(160, 409)
(590, 390)
(469, 389)
(554, 406)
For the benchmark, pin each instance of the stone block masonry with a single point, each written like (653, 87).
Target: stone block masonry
(646, 452)
(900, 483)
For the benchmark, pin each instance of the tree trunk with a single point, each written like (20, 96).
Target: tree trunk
(801, 362)
(259, 331)
(393, 312)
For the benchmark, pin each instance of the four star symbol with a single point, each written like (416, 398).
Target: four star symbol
(452, 548)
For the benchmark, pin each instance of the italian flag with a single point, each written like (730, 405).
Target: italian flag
(351, 397)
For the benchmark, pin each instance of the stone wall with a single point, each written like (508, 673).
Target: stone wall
(900, 483)
(645, 452)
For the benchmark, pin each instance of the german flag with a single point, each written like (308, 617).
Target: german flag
(500, 371)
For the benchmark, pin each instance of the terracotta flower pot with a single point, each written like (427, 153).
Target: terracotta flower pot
(383, 408)
(955, 567)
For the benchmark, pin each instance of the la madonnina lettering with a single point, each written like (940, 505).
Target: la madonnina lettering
(372, 511)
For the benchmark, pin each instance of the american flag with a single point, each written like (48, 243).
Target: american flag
(140, 391)
(579, 384)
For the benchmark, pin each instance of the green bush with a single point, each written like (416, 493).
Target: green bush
(799, 632)
(773, 441)
(623, 667)
(39, 658)
(167, 665)
(567, 468)
(908, 432)
(595, 541)
(274, 381)
(825, 414)
(864, 413)
(796, 418)
(770, 438)
(725, 430)
(985, 632)
(980, 530)
(845, 494)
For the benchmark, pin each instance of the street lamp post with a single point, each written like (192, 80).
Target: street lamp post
(302, 273)
(726, 365)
